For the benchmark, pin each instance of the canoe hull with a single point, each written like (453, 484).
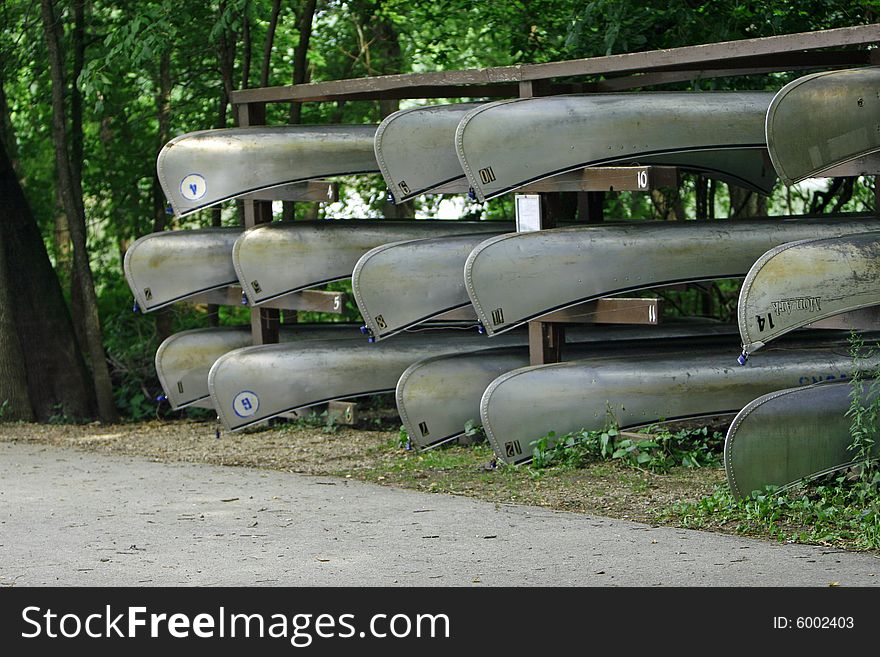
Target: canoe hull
(802, 282)
(515, 278)
(436, 397)
(254, 384)
(522, 406)
(277, 259)
(822, 120)
(162, 268)
(509, 143)
(184, 359)
(403, 141)
(399, 285)
(200, 169)
(784, 437)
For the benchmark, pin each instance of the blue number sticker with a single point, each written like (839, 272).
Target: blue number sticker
(193, 187)
(245, 403)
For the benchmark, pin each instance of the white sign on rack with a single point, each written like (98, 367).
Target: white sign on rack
(528, 212)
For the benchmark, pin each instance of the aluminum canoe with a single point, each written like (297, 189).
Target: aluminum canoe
(277, 259)
(399, 285)
(518, 277)
(184, 359)
(436, 397)
(200, 169)
(170, 266)
(802, 282)
(509, 143)
(822, 120)
(415, 149)
(787, 436)
(254, 384)
(523, 405)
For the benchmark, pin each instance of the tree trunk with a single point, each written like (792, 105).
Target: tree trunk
(15, 402)
(301, 54)
(71, 194)
(269, 42)
(745, 203)
(163, 114)
(7, 132)
(57, 379)
(300, 76)
(247, 53)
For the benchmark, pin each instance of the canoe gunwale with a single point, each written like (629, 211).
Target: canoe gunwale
(143, 304)
(163, 375)
(162, 170)
(769, 129)
(612, 160)
(239, 427)
(184, 213)
(750, 345)
(486, 320)
(482, 196)
(368, 318)
(415, 367)
(383, 165)
(750, 408)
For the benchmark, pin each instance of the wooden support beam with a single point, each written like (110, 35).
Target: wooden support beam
(320, 301)
(342, 412)
(314, 190)
(590, 179)
(612, 310)
(779, 53)
(264, 321)
(545, 343)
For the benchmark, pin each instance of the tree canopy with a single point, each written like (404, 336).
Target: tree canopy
(135, 74)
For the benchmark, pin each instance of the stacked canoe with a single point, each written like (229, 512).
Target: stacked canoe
(405, 274)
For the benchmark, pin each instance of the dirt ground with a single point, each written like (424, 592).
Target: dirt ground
(606, 488)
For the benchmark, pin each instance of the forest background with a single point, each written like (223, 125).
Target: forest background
(90, 90)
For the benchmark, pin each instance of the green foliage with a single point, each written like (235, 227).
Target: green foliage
(839, 510)
(309, 420)
(474, 432)
(660, 451)
(864, 409)
(126, 44)
(403, 438)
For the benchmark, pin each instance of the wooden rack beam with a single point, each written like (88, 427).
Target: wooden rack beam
(308, 300)
(590, 179)
(264, 321)
(778, 53)
(312, 190)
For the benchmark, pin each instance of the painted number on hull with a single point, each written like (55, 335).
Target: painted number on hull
(487, 175)
(497, 317)
(762, 322)
(403, 186)
(380, 322)
(193, 187)
(245, 403)
(512, 449)
(423, 427)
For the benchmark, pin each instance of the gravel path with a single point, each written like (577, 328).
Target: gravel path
(70, 517)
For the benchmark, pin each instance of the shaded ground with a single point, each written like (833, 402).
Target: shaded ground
(608, 489)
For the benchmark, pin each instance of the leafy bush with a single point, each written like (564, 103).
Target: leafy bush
(661, 450)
